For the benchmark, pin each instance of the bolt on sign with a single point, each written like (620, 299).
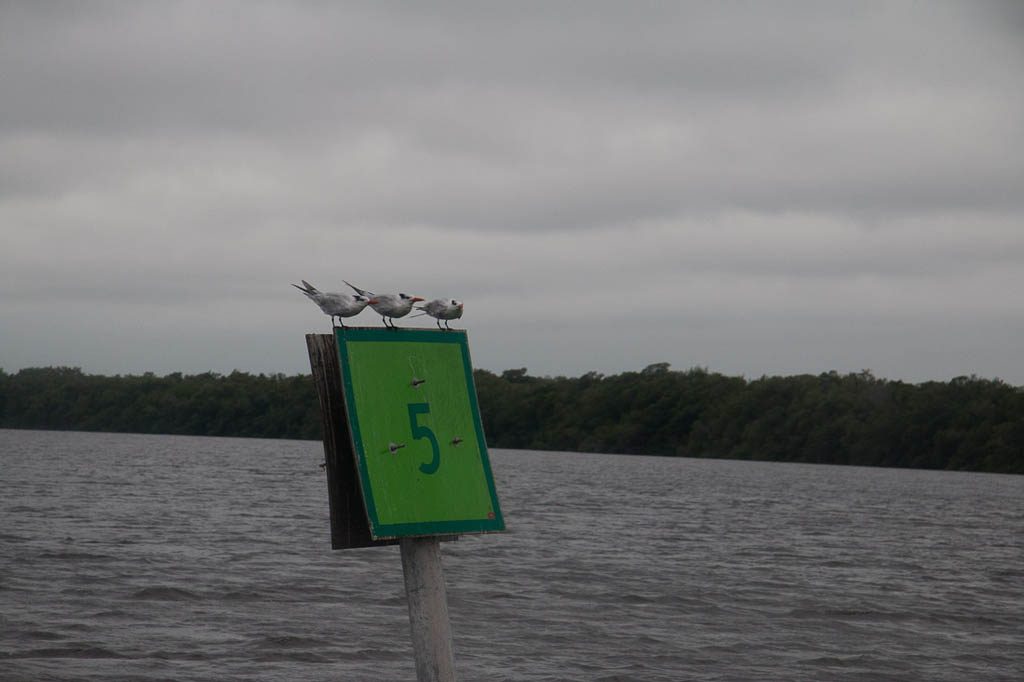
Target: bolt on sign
(416, 433)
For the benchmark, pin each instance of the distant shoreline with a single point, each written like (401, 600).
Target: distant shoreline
(966, 424)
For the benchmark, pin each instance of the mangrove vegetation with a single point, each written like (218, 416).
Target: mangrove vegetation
(967, 423)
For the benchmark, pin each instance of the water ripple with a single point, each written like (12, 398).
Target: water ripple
(173, 558)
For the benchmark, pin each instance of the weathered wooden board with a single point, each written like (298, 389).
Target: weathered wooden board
(349, 525)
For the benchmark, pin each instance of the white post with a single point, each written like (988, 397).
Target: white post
(428, 609)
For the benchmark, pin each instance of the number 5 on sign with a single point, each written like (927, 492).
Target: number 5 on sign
(419, 444)
(416, 409)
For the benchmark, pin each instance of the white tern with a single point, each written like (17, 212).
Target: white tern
(334, 304)
(442, 309)
(388, 306)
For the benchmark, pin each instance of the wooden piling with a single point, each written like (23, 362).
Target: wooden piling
(428, 609)
(421, 556)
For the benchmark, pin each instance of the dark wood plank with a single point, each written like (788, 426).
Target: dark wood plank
(349, 525)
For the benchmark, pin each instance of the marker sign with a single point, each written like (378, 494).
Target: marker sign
(416, 432)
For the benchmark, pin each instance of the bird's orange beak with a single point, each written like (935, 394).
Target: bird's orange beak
(416, 298)
(373, 300)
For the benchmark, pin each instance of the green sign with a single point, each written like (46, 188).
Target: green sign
(416, 432)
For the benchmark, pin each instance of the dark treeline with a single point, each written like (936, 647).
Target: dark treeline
(965, 424)
(210, 404)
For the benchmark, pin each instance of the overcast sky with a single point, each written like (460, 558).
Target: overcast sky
(755, 188)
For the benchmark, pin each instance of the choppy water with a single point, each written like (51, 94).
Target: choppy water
(126, 557)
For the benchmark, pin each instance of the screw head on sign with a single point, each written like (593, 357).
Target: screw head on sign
(456, 441)
(416, 382)
(393, 447)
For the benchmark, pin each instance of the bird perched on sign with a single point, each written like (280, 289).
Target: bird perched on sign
(388, 306)
(334, 304)
(442, 309)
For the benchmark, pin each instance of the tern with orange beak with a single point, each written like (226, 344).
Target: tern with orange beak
(442, 309)
(334, 304)
(388, 306)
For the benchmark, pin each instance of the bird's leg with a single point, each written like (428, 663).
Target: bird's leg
(446, 325)
(439, 324)
(384, 320)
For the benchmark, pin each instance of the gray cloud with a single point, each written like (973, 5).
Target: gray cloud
(777, 187)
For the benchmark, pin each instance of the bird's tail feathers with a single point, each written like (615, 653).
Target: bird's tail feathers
(309, 290)
(359, 291)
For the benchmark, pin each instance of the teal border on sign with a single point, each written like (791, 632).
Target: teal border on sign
(381, 531)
